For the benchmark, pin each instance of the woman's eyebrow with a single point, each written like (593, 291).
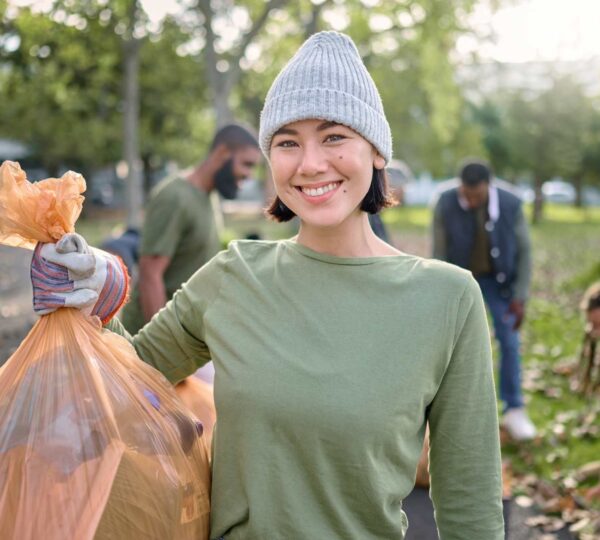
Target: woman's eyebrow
(285, 131)
(327, 125)
(321, 127)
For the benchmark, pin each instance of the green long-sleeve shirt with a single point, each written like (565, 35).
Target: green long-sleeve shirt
(327, 370)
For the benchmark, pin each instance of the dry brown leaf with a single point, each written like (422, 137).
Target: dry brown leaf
(592, 494)
(558, 505)
(524, 501)
(588, 470)
(537, 521)
(555, 524)
(505, 438)
(570, 482)
(580, 525)
(530, 480)
(553, 392)
(551, 506)
(546, 489)
(571, 516)
(565, 367)
(507, 480)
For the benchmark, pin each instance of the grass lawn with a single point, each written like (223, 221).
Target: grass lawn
(101, 224)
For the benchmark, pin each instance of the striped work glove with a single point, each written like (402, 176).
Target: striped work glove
(71, 274)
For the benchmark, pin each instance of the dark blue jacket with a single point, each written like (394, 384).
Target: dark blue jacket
(460, 227)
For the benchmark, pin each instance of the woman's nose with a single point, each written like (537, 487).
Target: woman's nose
(313, 162)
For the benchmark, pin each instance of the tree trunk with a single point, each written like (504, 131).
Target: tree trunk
(578, 183)
(538, 201)
(222, 83)
(216, 79)
(131, 149)
(223, 114)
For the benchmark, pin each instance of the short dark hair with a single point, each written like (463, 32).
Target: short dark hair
(234, 137)
(377, 198)
(474, 172)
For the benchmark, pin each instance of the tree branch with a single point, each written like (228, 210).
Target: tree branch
(313, 23)
(223, 83)
(234, 71)
(258, 24)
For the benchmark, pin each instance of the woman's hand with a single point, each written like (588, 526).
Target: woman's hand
(71, 274)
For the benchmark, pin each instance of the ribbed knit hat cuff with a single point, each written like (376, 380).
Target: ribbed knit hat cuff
(326, 104)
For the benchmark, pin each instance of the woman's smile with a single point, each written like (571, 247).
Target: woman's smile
(319, 192)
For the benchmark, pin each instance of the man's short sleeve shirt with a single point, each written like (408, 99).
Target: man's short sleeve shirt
(179, 224)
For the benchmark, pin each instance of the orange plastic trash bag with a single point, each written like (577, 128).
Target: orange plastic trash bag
(94, 444)
(198, 397)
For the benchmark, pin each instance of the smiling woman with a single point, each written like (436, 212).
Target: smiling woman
(324, 130)
(332, 350)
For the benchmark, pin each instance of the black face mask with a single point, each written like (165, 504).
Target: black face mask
(225, 181)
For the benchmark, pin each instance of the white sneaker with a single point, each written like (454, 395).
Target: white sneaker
(518, 424)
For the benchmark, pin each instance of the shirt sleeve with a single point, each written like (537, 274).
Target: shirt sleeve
(465, 466)
(523, 278)
(164, 224)
(174, 340)
(438, 235)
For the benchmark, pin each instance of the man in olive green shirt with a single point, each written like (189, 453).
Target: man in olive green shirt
(179, 233)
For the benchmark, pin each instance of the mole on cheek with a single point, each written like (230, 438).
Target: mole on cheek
(340, 157)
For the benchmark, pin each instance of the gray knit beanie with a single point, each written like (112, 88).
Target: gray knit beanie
(326, 79)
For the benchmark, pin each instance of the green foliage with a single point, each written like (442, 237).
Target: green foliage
(555, 132)
(489, 117)
(58, 90)
(69, 104)
(173, 119)
(411, 63)
(584, 278)
(64, 86)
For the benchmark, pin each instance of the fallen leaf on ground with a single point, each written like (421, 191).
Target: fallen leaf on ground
(588, 470)
(593, 493)
(524, 501)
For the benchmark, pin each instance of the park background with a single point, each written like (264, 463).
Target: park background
(127, 91)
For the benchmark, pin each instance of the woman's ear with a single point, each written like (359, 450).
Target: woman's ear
(378, 162)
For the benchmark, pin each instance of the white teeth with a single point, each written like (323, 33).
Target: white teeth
(312, 192)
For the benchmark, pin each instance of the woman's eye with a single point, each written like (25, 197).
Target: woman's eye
(286, 144)
(334, 137)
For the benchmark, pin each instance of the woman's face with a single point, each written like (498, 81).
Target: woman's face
(322, 170)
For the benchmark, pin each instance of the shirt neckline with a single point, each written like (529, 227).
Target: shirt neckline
(333, 259)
